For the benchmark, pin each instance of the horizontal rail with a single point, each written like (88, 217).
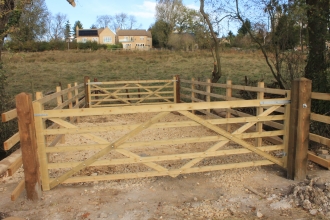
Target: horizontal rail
(129, 82)
(135, 104)
(8, 144)
(167, 172)
(319, 139)
(319, 160)
(321, 96)
(180, 124)
(238, 87)
(155, 108)
(9, 115)
(121, 88)
(165, 157)
(320, 118)
(134, 93)
(131, 99)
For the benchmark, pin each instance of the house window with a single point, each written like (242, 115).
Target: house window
(95, 39)
(141, 38)
(84, 40)
(107, 39)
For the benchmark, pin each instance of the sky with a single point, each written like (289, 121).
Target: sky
(86, 11)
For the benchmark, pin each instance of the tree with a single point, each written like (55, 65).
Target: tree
(103, 21)
(216, 73)
(74, 28)
(123, 21)
(67, 31)
(10, 14)
(318, 15)
(56, 26)
(243, 30)
(32, 23)
(160, 33)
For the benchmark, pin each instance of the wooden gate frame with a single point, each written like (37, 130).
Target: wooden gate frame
(295, 149)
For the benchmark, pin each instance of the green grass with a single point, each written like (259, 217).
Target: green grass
(32, 72)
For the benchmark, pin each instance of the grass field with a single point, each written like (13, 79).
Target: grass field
(32, 72)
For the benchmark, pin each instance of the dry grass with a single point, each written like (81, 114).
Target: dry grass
(31, 72)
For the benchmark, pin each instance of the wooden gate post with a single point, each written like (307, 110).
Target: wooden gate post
(176, 79)
(86, 78)
(300, 111)
(28, 141)
(229, 92)
(193, 96)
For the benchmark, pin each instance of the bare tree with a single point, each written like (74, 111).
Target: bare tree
(103, 21)
(56, 26)
(123, 21)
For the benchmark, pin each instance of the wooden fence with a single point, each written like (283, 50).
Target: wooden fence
(124, 93)
(191, 89)
(162, 97)
(71, 98)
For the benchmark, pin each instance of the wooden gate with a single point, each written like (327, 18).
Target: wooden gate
(121, 150)
(123, 93)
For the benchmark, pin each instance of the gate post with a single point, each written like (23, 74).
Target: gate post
(86, 78)
(28, 141)
(176, 79)
(299, 128)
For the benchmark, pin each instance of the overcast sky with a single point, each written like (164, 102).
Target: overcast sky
(86, 11)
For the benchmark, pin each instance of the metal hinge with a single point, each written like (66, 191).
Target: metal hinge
(40, 115)
(275, 102)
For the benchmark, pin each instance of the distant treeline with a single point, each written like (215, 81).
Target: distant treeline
(39, 46)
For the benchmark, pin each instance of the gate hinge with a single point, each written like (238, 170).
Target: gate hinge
(40, 115)
(275, 102)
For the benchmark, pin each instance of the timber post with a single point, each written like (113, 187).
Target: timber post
(228, 97)
(28, 142)
(176, 79)
(208, 91)
(193, 96)
(97, 91)
(300, 112)
(86, 78)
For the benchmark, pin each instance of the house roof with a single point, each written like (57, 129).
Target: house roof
(133, 33)
(88, 33)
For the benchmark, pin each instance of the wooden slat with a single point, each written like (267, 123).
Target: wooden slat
(129, 87)
(8, 144)
(204, 93)
(15, 166)
(55, 141)
(5, 163)
(18, 190)
(164, 86)
(319, 160)
(163, 142)
(133, 99)
(67, 102)
(170, 172)
(152, 108)
(319, 139)
(75, 130)
(134, 93)
(321, 96)
(131, 82)
(320, 118)
(164, 157)
(7, 116)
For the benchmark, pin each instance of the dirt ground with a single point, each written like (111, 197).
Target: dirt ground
(209, 195)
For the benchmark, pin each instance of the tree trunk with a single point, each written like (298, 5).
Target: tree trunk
(315, 70)
(216, 73)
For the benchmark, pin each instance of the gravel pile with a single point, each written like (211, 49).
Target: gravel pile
(313, 195)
